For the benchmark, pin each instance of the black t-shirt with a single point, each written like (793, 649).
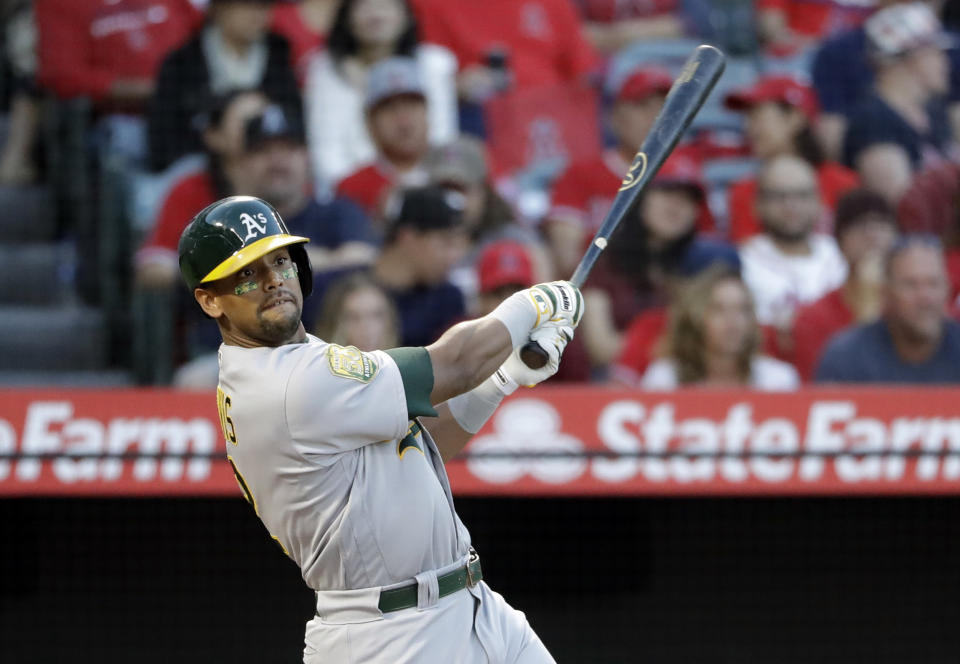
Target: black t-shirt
(874, 122)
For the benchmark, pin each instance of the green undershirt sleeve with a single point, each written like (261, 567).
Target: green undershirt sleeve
(416, 371)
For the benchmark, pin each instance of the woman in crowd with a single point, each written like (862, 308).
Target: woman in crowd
(305, 24)
(358, 312)
(779, 112)
(713, 340)
(363, 33)
(645, 255)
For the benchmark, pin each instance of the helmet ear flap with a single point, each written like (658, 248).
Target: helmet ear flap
(298, 252)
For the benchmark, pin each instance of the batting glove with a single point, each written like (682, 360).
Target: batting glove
(557, 302)
(553, 338)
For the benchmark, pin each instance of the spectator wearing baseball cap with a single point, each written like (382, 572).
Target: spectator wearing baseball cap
(395, 108)
(462, 166)
(843, 75)
(276, 156)
(425, 238)
(645, 256)
(363, 35)
(902, 126)
(582, 195)
(866, 229)
(780, 113)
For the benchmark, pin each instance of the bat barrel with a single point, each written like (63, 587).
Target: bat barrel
(687, 94)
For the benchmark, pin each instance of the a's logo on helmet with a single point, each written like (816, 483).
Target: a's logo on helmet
(253, 227)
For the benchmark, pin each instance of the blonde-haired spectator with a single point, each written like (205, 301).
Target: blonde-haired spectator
(713, 340)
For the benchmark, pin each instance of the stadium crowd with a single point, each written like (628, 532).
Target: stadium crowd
(441, 154)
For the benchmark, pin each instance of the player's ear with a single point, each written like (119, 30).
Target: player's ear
(208, 301)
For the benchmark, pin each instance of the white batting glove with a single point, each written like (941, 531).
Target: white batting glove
(472, 409)
(552, 337)
(557, 302)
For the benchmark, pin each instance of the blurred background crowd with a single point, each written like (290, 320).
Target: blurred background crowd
(441, 154)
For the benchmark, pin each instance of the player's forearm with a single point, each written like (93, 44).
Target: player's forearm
(466, 355)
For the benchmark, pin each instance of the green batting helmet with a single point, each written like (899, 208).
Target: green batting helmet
(234, 232)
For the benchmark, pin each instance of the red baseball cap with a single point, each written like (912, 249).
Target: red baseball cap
(504, 264)
(644, 82)
(681, 168)
(783, 89)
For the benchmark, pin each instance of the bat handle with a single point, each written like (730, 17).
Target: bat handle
(533, 355)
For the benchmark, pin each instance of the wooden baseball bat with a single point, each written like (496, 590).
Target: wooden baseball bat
(686, 96)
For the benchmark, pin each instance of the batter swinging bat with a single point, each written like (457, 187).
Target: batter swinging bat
(686, 96)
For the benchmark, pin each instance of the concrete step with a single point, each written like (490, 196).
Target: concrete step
(27, 214)
(36, 274)
(69, 338)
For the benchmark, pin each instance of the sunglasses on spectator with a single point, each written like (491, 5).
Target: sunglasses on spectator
(782, 195)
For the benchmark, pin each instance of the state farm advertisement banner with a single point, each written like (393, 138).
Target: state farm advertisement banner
(547, 441)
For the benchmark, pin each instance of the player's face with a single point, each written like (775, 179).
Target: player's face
(377, 22)
(917, 292)
(669, 213)
(399, 127)
(260, 304)
(728, 319)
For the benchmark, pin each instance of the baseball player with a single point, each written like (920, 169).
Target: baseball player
(340, 452)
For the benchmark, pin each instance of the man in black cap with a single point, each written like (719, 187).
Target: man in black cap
(278, 163)
(425, 238)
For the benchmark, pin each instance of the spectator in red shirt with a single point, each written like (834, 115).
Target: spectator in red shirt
(612, 24)
(225, 175)
(305, 25)
(233, 51)
(780, 112)
(109, 50)
(541, 41)
(582, 195)
(787, 26)
(396, 112)
(866, 229)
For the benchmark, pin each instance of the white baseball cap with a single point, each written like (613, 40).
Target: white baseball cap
(390, 78)
(901, 28)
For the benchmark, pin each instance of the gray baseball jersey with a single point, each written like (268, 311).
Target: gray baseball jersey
(323, 448)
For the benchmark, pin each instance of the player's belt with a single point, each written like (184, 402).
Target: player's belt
(405, 597)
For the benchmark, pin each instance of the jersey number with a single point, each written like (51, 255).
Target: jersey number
(226, 422)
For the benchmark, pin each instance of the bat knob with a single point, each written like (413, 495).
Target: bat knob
(533, 355)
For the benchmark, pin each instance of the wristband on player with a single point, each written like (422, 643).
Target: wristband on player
(520, 313)
(472, 409)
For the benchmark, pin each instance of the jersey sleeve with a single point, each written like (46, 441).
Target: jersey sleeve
(339, 399)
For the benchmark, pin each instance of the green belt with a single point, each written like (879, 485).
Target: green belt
(406, 597)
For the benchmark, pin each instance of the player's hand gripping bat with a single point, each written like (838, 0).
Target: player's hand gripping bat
(685, 98)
